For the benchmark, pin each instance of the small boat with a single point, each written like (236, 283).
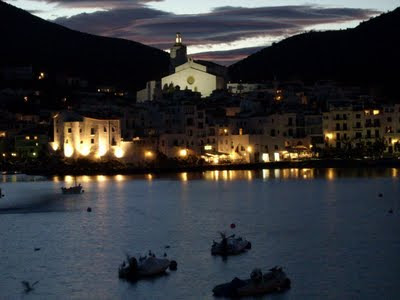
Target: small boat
(259, 284)
(75, 189)
(230, 245)
(134, 270)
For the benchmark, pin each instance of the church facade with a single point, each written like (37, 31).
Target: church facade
(195, 77)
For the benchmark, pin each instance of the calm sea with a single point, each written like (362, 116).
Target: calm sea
(328, 229)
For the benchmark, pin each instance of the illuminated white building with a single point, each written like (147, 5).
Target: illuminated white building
(79, 136)
(188, 74)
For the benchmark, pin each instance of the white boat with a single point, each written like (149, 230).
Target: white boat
(146, 267)
(230, 245)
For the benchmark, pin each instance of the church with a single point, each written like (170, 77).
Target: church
(198, 76)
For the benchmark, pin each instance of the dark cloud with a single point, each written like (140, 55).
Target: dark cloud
(222, 25)
(100, 3)
(226, 57)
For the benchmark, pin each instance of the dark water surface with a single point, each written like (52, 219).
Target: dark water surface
(327, 228)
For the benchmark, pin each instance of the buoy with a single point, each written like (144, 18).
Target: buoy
(173, 265)
(167, 247)
(233, 225)
(89, 209)
(37, 249)
(380, 195)
(390, 211)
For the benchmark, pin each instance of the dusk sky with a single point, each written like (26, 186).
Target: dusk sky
(223, 30)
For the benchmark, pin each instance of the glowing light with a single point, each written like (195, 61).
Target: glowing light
(265, 173)
(207, 147)
(331, 174)
(14, 154)
(394, 141)
(27, 137)
(119, 177)
(102, 149)
(26, 98)
(34, 153)
(35, 137)
(69, 178)
(277, 156)
(148, 154)
(375, 112)
(55, 146)
(329, 136)
(184, 176)
(149, 177)
(4, 155)
(68, 150)
(216, 160)
(265, 157)
(118, 152)
(84, 150)
(249, 149)
(101, 178)
(183, 153)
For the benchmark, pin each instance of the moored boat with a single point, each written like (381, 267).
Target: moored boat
(134, 270)
(230, 245)
(259, 284)
(75, 189)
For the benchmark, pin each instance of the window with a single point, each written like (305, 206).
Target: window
(345, 126)
(92, 131)
(338, 136)
(358, 116)
(113, 142)
(389, 119)
(358, 125)
(80, 130)
(105, 129)
(337, 126)
(276, 147)
(290, 133)
(113, 129)
(69, 130)
(66, 141)
(358, 135)
(81, 142)
(272, 132)
(376, 133)
(92, 141)
(290, 121)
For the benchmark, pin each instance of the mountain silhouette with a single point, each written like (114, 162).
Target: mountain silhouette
(368, 56)
(29, 40)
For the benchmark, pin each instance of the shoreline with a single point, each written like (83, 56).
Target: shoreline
(309, 164)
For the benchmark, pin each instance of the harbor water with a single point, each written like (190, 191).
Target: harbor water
(330, 230)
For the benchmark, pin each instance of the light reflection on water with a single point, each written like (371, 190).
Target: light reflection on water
(217, 175)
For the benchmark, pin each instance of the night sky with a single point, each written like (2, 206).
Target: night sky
(222, 30)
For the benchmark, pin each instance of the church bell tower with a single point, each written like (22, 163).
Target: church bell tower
(178, 53)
